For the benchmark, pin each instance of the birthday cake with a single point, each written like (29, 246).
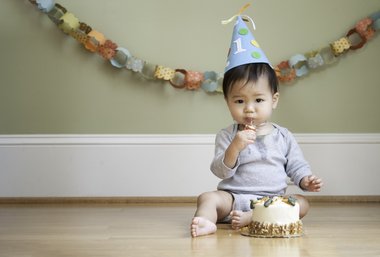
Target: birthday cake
(274, 217)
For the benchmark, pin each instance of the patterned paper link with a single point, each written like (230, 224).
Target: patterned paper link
(164, 73)
(96, 41)
(68, 22)
(340, 46)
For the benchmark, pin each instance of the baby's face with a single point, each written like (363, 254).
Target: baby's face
(253, 103)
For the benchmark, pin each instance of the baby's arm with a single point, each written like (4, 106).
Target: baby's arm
(311, 183)
(242, 140)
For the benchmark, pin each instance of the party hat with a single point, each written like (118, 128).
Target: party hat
(244, 48)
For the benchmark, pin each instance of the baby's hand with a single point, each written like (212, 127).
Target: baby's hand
(311, 183)
(243, 138)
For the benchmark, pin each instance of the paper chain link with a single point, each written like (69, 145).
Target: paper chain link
(287, 71)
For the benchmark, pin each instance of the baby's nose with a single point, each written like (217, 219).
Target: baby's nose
(249, 108)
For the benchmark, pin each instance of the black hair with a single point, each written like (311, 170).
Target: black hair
(250, 72)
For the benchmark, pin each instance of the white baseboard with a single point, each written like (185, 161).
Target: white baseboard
(164, 165)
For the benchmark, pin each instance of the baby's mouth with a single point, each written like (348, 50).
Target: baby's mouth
(249, 121)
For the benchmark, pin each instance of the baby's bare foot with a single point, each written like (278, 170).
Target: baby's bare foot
(201, 226)
(240, 219)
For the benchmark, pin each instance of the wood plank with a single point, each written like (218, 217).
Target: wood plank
(339, 229)
(164, 200)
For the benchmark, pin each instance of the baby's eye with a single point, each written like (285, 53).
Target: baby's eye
(239, 101)
(259, 100)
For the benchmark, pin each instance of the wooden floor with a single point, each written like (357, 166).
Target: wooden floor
(332, 229)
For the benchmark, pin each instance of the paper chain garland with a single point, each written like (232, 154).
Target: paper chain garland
(210, 81)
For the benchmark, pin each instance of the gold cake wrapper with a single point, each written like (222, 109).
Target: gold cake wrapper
(258, 229)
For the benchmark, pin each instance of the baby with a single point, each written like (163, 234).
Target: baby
(253, 157)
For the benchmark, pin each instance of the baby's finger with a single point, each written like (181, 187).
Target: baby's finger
(318, 187)
(251, 141)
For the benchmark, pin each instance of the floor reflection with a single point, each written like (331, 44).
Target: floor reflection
(228, 242)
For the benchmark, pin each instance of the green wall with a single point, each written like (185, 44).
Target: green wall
(49, 84)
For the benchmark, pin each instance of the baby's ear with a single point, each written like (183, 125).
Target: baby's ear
(275, 98)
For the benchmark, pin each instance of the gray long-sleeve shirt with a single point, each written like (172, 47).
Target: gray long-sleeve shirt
(263, 167)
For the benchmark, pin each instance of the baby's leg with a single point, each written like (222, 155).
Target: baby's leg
(240, 219)
(211, 207)
(304, 205)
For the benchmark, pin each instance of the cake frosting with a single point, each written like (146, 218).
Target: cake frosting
(274, 217)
